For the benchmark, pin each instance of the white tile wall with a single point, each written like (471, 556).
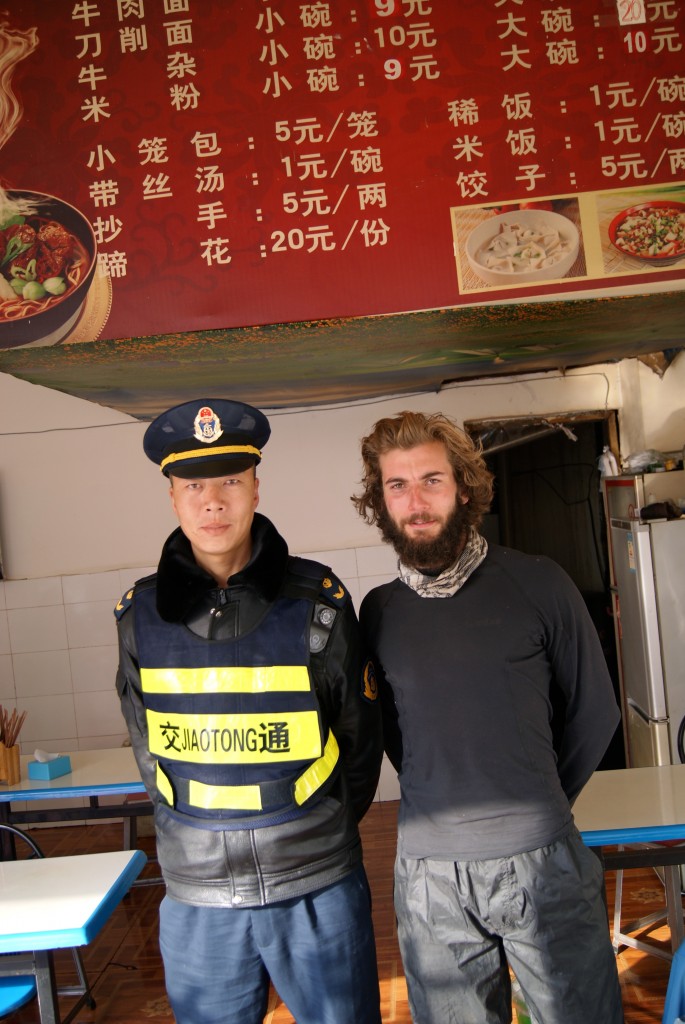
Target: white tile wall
(343, 562)
(377, 560)
(100, 586)
(96, 710)
(37, 629)
(93, 668)
(58, 658)
(4, 633)
(33, 593)
(6, 681)
(91, 623)
(49, 719)
(127, 577)
(58, 651)
(42, 673)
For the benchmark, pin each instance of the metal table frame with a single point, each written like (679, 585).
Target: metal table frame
(55, 903)
(640, 814)
(95, 774)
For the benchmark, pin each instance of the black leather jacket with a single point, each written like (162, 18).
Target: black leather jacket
(255, 866)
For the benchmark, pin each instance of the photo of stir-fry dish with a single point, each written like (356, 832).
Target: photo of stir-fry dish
(40, 263)
(653, 232)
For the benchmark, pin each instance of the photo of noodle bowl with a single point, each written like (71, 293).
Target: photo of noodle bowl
(653, 232)
(523, 247)
(48, 256)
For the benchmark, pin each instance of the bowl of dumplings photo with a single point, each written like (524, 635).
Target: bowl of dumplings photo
(523, 247)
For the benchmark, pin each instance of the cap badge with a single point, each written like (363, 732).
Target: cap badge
(207, 425)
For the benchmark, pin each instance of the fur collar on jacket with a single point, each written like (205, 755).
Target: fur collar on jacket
(181, 582)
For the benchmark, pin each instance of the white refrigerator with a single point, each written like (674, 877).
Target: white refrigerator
(647, 566)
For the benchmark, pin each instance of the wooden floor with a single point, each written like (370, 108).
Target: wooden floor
(125, 970)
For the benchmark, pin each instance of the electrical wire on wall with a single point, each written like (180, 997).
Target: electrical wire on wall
(447, 385)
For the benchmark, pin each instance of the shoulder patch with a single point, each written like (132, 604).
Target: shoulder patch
(124, 603)
(333, 590)
(369, 683)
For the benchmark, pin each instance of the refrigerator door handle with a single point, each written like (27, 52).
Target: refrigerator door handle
(650, 617)
(640, 711)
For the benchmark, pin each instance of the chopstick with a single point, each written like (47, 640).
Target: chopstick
(10, 726)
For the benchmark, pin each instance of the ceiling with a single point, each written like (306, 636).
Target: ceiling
(330, 361)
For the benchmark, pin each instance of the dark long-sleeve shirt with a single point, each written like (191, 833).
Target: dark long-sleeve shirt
(498, 706)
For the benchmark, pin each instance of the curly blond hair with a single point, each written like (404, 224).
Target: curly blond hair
(409, 429)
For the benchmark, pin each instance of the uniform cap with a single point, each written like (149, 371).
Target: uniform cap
(207, 437)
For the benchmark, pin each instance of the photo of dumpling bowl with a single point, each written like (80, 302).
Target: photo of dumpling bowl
(523, 247)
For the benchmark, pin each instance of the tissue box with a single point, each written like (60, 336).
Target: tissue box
(50, 769)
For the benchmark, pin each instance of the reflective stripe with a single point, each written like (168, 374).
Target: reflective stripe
(219, 679)
(249, 798)
(235, 739)
(164, 786)
(224, 798)
(315, 776)
(196, 453)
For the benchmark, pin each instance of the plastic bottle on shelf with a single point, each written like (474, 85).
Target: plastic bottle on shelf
(607, 462)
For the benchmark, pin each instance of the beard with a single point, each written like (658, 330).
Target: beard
(430, 555)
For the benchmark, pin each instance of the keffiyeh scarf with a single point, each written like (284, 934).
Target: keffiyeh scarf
(449, 581)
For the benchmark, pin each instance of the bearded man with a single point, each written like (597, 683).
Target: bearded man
(497, 707)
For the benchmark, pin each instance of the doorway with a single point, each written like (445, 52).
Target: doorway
(548, 501)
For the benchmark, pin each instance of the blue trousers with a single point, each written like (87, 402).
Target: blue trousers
(462, 924)
(318, 950)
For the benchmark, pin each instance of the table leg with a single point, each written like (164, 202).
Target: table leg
(7, 848)
(674, 905)
(599, 854)
(47, 987)
(618, 901)
(130, 832)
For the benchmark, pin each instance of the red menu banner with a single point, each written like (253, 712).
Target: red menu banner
(265, 162)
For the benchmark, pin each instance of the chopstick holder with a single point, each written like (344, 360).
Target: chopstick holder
(10, 765)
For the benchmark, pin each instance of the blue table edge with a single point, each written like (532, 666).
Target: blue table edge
(26, 941)
(629, 836)
(50, 791)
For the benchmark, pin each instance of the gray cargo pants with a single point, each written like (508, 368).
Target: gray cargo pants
(462, 924)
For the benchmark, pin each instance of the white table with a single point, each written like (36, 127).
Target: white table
(112, 771)
(60, 902)
(94, 774)
(631, 807)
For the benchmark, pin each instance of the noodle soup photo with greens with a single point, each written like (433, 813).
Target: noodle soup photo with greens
(47, 262)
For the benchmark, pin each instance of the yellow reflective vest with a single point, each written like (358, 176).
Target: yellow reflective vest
(235, 725)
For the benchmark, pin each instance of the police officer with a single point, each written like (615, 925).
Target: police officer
(255, 726)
